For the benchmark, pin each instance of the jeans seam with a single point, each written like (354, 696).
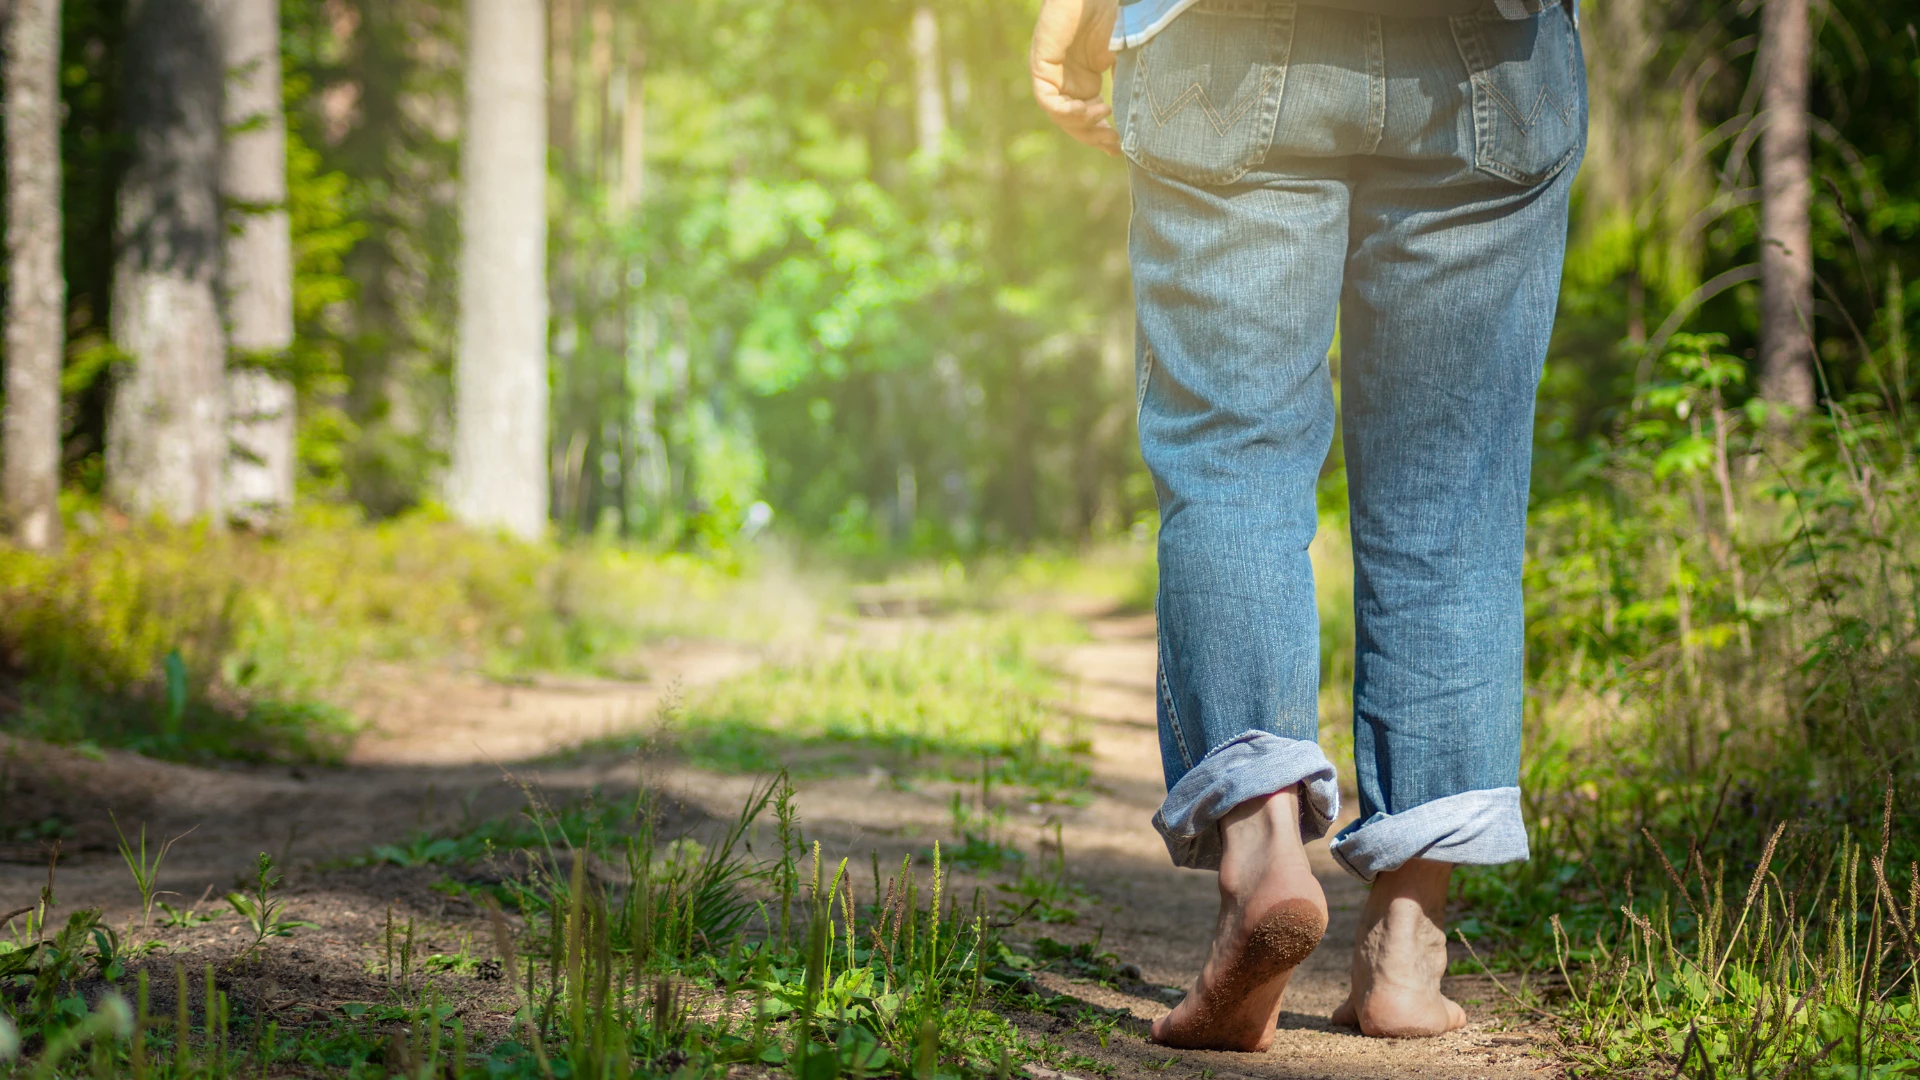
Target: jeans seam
(1376, 86)
(1145, 377)
(1173, 717)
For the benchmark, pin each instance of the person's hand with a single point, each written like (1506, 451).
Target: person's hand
(1070, 50)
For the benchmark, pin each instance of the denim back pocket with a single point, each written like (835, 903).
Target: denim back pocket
(1202, 96)
(1529, 93)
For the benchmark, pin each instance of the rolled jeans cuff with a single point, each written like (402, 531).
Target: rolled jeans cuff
(1479, 828)
(1246, 767)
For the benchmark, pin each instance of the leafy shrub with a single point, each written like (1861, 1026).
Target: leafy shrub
(1723, 624)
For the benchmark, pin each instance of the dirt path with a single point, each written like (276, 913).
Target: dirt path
(433, 758)
(1149, 913)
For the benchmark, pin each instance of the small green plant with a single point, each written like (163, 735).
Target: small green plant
(262, 909)
(1049, 895)
(175, 668)
(420, 849)
(979, 849)
(1085, 960)
(459, 963)
(146, 873)
(185, 918)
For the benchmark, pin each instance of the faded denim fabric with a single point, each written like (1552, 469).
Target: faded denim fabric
(1294, 167)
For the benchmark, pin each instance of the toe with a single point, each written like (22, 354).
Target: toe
(1345, 1015)
(1456, 1016)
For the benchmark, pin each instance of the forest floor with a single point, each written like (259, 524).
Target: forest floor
(448, 748)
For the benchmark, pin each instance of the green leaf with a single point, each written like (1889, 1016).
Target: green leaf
(1688, 456)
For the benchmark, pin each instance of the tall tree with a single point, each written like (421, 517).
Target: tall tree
(929, 96)
(36, 288)
(167, 429)
(1786, 168)
(258, 265)
(499, 476)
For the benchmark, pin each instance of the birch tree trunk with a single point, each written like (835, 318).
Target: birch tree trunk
(258, 267)
(1786, 190)
(167, 428)
(499, 476)
(37, 290)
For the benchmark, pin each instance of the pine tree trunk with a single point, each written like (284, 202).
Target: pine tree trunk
(167, 429)
(258, 270)
(37, 290)
(499, 476)
(1786, 190)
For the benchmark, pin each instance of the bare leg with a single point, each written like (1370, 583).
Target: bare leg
(1272, 914)
(1399, 954)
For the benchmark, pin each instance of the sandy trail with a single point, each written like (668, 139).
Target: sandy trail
(432, 758)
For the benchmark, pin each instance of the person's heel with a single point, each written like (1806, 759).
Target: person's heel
(1282, 938)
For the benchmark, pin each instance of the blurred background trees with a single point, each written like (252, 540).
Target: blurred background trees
(824, 263)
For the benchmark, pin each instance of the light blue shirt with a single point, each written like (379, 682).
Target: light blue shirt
(1142, 19)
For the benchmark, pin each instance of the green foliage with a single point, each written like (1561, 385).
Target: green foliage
(194, 642)
(93, 156)
(1664, 208)
(1723, 625)
(803, 299)
(40, 1000)
(321, 215)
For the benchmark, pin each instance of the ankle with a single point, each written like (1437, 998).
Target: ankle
(1419, 885)
(1259, 837)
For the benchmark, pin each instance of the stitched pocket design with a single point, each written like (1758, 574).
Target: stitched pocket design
(1204, 93)
(1529, 93)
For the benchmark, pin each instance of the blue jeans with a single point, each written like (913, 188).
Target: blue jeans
(1295, 168)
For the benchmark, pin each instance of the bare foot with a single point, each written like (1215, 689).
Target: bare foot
(1272, 914)
(1399, 954)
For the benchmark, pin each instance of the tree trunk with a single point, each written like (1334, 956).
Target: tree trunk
(1786, 253)
(167, 429)
(499, 475)
(929, 97)
(258, 270)
(37, 289)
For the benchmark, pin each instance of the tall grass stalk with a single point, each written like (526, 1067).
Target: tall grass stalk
(1811, 974)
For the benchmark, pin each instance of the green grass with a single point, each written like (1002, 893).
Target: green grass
(187, 642)
(691, 960)
(939, 700)
(1119, 575)
(1724, 639)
